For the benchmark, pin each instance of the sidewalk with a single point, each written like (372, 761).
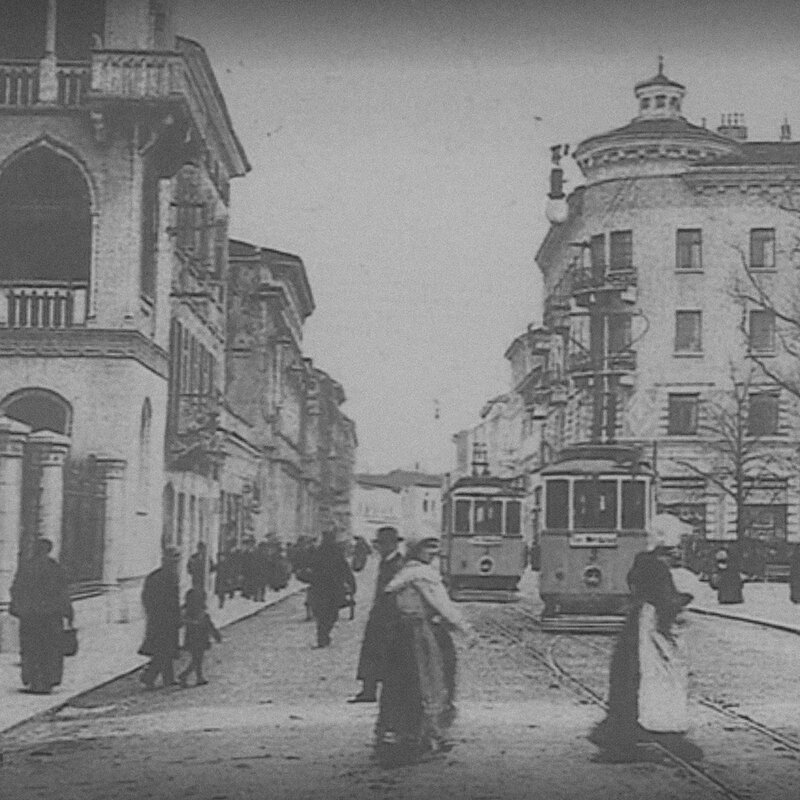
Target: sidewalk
(106, 651)
(767, 603)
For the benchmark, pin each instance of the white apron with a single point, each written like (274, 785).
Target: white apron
(664, 678)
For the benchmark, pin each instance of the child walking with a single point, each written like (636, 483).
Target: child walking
(197, 638)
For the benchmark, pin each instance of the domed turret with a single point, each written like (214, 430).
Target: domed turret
(659, 97)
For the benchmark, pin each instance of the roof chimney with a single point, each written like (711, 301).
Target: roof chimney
(786, 131)
(732, 125)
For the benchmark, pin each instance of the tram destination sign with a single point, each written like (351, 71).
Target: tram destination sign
(593, 540)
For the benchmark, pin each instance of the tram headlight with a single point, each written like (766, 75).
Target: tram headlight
(592, 576)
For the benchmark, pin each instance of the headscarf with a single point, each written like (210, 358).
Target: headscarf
(666, 531)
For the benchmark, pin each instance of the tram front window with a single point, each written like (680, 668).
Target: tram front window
(512, 518)
(633, 500)
(488, 516)
(595, 505)
(557, 514)
(462, 516)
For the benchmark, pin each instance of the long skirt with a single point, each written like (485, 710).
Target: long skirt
(418, 685)
(41, 651)
(648, 685)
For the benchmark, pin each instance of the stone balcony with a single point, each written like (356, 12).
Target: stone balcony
(43, 305)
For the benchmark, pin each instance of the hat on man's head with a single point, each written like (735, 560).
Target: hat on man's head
(387, 534)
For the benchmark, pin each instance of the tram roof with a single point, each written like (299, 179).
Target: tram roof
(597, 466)
(482, 481)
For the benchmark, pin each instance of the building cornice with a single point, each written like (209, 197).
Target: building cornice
(84, 343)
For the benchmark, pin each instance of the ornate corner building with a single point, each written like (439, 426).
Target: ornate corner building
(121, 429)
(666, 277)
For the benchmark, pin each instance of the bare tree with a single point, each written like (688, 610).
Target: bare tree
(740, 461)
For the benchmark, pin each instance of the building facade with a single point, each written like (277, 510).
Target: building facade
(149, 396)
(658, 325)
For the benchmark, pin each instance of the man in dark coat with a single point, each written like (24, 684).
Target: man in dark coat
(162, 608)
(197, 567)
(794, 575)
(40, 599)
(331, 582)
(370, 666)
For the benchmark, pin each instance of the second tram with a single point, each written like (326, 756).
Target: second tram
(598, 507)
(483, 551)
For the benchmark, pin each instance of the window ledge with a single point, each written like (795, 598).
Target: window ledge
(762, 270)
(762, 353)
(687, 354)
(689, 271)
(682, 435)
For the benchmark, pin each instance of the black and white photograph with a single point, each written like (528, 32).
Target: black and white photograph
(399, 399)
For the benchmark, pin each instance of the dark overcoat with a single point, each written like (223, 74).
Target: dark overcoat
(381, 618)
(331, 577)
(162, 608)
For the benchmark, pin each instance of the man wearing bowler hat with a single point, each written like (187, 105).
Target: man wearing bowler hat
(380, 616)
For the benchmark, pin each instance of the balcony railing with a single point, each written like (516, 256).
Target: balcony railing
(134, 75)
(42, 306)
(73, 83)
(110, 74)
(614, 363)
(19, 83)
(587, 280)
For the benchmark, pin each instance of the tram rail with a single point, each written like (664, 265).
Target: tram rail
(547, 657)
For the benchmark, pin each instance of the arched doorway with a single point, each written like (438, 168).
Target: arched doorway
(42, 409)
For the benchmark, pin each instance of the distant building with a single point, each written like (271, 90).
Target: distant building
(406, 499)
(672, 218)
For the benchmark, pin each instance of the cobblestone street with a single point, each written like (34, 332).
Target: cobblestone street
(273, 723)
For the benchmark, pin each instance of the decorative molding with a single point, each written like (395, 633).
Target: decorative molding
(83, 343)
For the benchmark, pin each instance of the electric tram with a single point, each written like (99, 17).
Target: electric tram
(598, 506)
(483, 551)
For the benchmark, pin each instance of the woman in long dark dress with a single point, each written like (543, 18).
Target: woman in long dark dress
(40, 599)
(417, 697)
(648, 678)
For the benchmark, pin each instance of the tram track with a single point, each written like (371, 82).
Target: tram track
(547, 656)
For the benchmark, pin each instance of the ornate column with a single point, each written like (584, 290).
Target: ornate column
(50, 451)
(114, 530)
(13, 436)
(48, 79)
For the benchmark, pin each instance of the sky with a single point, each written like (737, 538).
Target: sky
(401, 149)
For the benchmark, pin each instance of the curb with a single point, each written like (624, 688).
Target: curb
(64, 702)
(766, 623)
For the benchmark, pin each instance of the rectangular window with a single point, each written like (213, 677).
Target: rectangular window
(689, 249)
(762, 414)
(181, 527)
(765, 522)
(78, 22)
(557, 515)
(633, 502)
(462, 516)
(619, 333)
(688, 332)
(597, 250)
(762, 331)
(762, 248)
(621, 250)
(512, 517)
(22, 29)
(682, 410)
(595, 505)
(488, 516)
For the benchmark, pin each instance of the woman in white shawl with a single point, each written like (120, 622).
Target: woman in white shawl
(648, 681)
(416, 703)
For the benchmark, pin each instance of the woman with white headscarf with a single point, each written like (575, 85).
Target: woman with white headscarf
(416, 702)
(648, 680)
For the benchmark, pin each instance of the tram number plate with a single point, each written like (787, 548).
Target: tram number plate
(486, 541)
(593, 540)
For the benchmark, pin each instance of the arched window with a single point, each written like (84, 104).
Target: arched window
(145, 426)
(45, 220)
(42, 409)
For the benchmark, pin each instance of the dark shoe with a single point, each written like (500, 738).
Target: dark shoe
(146, 681)
(201, 682)
(182, 681)
(361, 697)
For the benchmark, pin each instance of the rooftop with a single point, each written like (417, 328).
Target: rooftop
(399, 479)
